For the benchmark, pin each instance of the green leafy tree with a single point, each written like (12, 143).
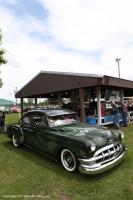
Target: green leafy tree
(30, 102)
(2, 59)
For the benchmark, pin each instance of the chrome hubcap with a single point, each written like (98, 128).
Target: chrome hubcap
(68, 160)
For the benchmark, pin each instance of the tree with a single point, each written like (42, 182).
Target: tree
(2, 59)
(30, 102)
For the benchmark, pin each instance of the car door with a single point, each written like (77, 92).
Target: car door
(27, 128)
(37, 133)
(45, 137)
(39, 127)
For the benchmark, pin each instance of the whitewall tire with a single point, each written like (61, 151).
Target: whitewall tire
(17, 138)
(68, 160)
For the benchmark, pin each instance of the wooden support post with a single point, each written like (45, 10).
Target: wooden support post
(81, 98)
(98, 94)
(22, 107)
(36, 103)
(59, 100)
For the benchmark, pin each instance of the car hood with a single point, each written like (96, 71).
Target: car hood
(99, 135)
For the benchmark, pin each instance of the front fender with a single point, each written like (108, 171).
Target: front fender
(80, 148)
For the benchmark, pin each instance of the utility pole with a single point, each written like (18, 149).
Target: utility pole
(118, 61)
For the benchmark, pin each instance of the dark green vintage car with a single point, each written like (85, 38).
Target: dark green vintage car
(58, 134)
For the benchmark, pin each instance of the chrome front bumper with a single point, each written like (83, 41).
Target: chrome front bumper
(89, 166)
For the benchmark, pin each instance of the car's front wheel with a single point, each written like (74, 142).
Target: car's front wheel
(68, 160)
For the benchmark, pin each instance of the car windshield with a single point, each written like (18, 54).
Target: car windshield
(62, 120)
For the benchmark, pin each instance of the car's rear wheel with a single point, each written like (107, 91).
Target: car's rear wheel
(68, 160)
(17, 139)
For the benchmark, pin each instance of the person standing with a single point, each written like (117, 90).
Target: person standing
(124, 114)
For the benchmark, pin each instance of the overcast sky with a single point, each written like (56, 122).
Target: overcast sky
(65, 35)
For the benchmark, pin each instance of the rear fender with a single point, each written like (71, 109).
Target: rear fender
(18, 130)
(14, 128)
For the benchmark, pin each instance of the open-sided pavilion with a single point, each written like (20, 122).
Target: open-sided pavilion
(62, 85)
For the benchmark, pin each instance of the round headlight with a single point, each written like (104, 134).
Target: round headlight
(93, 147)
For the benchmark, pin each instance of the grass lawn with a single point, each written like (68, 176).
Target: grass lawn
(24, 172)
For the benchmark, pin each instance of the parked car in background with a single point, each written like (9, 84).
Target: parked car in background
(15, 109)
(57, 133)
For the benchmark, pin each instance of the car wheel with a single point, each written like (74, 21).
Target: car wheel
(17, 139)
(68, 160)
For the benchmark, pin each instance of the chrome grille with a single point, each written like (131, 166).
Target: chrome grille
(108, 153)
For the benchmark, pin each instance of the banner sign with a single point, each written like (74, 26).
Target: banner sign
(112, 95)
